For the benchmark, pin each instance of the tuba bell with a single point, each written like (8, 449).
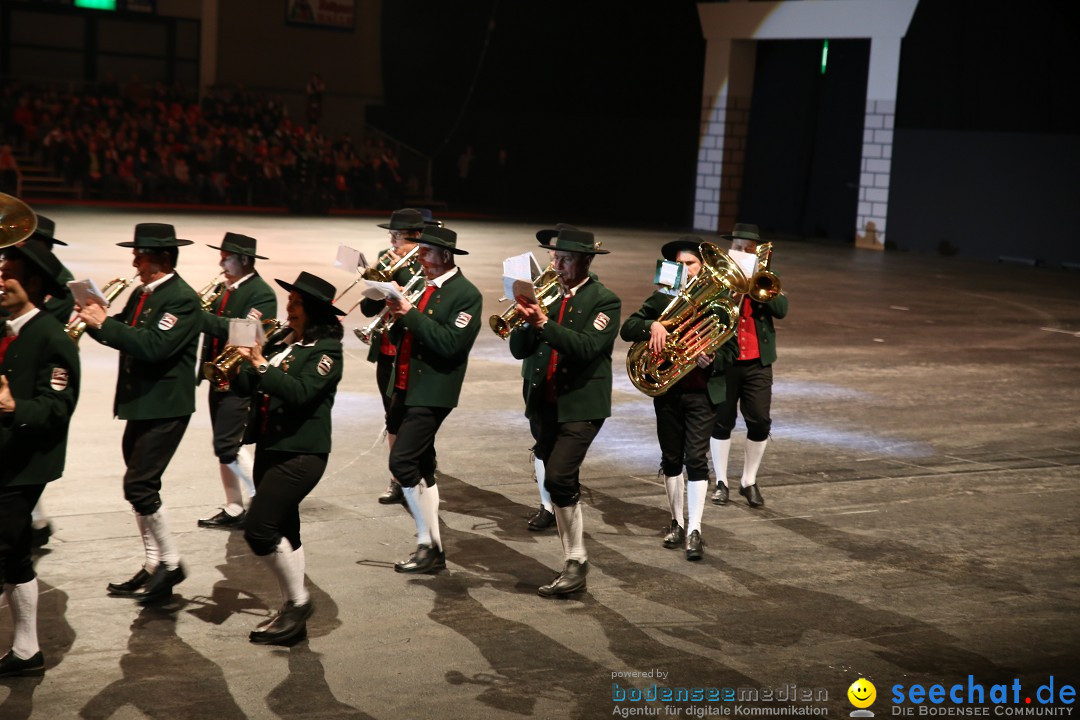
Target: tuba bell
(212, 291)
(76, 327)
(17, 220)
(547, 292)
(223, 369)
(699, 320)
(764, 285)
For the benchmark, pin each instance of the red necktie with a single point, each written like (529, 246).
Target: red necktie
(405, 350)
(4, 342)
(138, 308)
(549, 389)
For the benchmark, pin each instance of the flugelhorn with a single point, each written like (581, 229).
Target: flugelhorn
(547, 292)
(386, 268)
(701, 318)
(76, 327)
(764, 285)
(212, 291)
(223, 369)
(384, 320)
(17, 220)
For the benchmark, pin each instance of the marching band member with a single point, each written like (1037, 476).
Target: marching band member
(432, 340)
(291, 427)
(157, 334)
(686, 413)
(405, 227)
(749, 380)
(246, 295)
(567, 363)
(39, 388)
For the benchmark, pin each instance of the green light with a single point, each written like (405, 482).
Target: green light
(824, 55)
(96, 4)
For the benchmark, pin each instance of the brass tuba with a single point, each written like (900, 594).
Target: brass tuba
(212, 291)
(765, 285)
(384, 320)
(699, 320)
(547, 292)
(223, 369)
(76, 327)
(17, 220)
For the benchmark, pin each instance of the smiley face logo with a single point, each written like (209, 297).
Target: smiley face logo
(862, 693)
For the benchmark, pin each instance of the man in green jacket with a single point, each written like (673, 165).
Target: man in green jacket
(567, 370)
(749, 380)
(39, 387)
(246, 295)
(157, 334)
(432, 340)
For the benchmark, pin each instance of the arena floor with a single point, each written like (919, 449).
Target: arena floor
(920, 526)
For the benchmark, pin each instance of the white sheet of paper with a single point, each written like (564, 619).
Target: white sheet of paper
(747, 262)
(349, 259)
(382, 289)
(669, 274)
(244, 332)
(523, 288)
(86, 292)
(521, 267)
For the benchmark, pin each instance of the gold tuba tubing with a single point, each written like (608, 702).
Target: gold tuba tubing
(701, 318)
(223, 369)
(547, 292)
(384, 320)
(76, 327)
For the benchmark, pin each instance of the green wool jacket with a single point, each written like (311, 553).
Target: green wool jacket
(584, 341)
(637, 329)
(63, 305)
(253, 299)
(300, 396)
(42, 369)
(443, 335)
(370, 308)
(763, 314)
(157, 356)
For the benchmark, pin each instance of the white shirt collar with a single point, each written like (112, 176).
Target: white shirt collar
(441, 280)
(242, 280)
(16, 325)
(573, 291)
(151, 287)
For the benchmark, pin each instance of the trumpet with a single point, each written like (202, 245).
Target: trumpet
(386, 268)
(547, 292)
(764, 285)
(212, 291)
(223, 369)
(384, 320)
(76, 327)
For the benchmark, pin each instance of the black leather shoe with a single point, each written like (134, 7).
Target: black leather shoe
(720, 495)
(393, 495)
(752, 495)
(39, 537)
(542, 520)
(693, 546)
(129, 587)
(425, 559)
(10, 666)
(161, 584)
(570, 580)
(675, 535)
(289, 625)
(224, 520)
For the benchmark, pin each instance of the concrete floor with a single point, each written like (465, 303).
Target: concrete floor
(920, 526)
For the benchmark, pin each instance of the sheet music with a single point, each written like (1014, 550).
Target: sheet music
(377, 290)
(349, 259)
(669, 274)
(86, 292)
(245, 332)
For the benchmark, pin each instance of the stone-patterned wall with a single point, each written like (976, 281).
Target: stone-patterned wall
(874, 177)
(721, 156)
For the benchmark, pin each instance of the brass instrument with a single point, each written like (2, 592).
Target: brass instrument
(385, 269)
(547, 292)
(76, 327)
(212, 291)
(17, 220)
(223, 369)
(384, 320)
(699, 320)
(764, 285)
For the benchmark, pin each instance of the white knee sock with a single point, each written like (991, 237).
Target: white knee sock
(412, 499)
(230, 481)
(674, 486)
(755, 450)
(720, 450)
(288, 569)
(159, 528)
(545, 496)
(695, 504)
(23, 601)
(572, 532)
(150, 546)
(429, 503)
(245, 469)
(38, 518)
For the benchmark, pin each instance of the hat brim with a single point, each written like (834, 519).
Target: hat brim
(671, 250)
(456, 251)
(176, 243)
(390, 226)
(251, 255)
(593, 251)
(289, 287)
(46, 238)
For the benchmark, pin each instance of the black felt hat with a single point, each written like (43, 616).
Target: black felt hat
(687, 243)
(314, 287)
(744, 231)
(154, 236)
(238, 244)
(46, 231)
(569, 239)
(441, 237)
(405, 219)
(37, 252)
